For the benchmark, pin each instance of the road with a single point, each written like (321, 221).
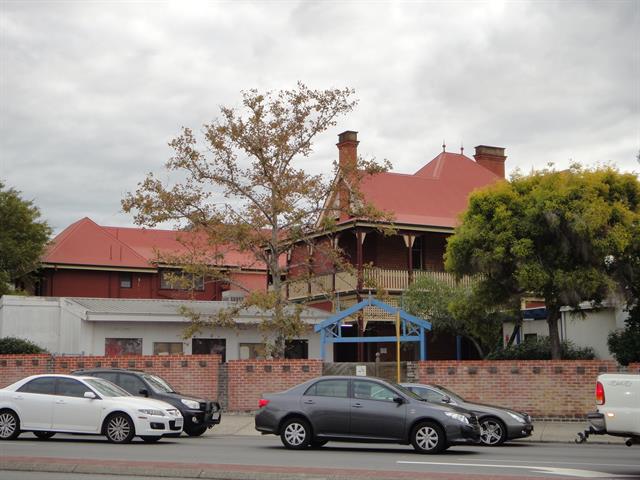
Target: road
(79, 458)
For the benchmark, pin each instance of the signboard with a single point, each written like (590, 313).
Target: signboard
(361, 370)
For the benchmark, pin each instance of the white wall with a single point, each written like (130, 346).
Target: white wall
(61, 326)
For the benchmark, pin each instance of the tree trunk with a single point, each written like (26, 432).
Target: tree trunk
(477, 345)
(553, 314)
(516, 329)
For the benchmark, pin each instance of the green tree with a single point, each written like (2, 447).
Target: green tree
(23, 237)
(551, 234)
(19, 346)
(249, 188)
(456, 310)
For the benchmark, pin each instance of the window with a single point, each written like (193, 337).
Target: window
(131, 384)
(167, 348)
(530, 337)
(71, 388)
(329, 388)
(109, 376)
(428, 394)
(125, 280)
(416, 253)
(210, 346)
(43, 385)
(296, 349)
(253, 351)
(366, 390)
(176, 280)
(114, 347)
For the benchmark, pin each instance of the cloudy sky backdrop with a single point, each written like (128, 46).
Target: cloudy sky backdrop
(92, 91)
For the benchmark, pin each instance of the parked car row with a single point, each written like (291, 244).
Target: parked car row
(357, 409)
(117, 403)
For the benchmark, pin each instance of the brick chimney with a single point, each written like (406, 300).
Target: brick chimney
(491, 158)
(347, 161)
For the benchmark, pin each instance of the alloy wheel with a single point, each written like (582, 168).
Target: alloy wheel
(491, 432)
(427, 438)
(119, 429)
(295, 434)
(8, 425)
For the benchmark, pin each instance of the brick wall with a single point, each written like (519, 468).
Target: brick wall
(541, 388)
(249, 379)
(189, 374)
(560, 389)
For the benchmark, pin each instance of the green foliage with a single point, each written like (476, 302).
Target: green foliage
(23, 237)
(549, 235)
(540, 349)
(18, 346)
(457, 310)
(624, 345)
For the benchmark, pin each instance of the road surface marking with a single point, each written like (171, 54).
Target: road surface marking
(563, 463)
(552, 470)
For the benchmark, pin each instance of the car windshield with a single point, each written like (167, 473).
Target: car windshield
(106, 388)
(454, 396)
(158, 384)
(406, 391)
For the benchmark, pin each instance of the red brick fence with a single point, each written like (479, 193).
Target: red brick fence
(541, 388)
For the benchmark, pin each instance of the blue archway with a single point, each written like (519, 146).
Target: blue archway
(412, 328)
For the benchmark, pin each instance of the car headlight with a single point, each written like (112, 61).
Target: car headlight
(190, 403)
(151, 411)
(457, 416)
(517, 418)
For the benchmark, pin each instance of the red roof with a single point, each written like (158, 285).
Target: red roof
(434, 196)
(87, 243)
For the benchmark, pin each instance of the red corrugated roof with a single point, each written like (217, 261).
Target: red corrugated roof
(434, 196)
(87, 243)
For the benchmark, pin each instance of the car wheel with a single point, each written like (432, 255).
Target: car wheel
(150, 439)
(428, 437)
(44, 435)
(492, 432)
(119, 428)
(318, 443)
(9, 425)
(195, 431)
(296, 434)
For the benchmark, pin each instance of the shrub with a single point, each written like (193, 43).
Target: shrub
(18, 346)
(624, 345)
(540, 349)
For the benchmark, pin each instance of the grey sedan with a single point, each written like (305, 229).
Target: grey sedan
(362, 409)
(497, 424)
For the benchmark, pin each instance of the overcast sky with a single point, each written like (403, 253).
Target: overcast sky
(92, 91)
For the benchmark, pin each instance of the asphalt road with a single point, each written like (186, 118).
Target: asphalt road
(235, 457)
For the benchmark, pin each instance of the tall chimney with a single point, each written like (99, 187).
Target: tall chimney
(347, 161)
(491, 158)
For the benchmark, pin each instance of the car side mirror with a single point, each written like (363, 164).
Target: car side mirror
(446, 399)
(90, 395)
(144, 392)
(398, 400)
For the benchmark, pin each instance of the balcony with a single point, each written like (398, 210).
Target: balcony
(391, 280)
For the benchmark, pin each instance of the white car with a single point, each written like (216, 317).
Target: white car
(48, 404)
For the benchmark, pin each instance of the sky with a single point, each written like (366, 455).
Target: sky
(92, 91)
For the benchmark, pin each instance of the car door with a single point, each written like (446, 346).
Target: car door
(326, 403)
(71, 411)
(374, 414)
(34, 403)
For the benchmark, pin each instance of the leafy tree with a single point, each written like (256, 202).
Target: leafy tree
(249, 188)
(18, 346)
(457, 310)
(23, 237)
(551, 234)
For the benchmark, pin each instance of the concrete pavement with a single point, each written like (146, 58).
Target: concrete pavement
(544, 431)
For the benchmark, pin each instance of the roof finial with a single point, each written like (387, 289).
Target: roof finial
(444, 145)
(461, 148)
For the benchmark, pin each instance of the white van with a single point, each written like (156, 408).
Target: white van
(618, 408)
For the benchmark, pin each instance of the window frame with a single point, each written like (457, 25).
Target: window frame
(314, 386)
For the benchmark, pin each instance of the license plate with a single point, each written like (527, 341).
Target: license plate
(178, 422)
